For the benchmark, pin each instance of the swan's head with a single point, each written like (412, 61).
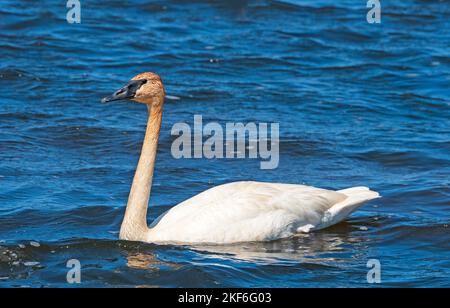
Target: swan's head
(144, 88)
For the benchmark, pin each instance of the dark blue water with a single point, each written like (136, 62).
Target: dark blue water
(358, 104)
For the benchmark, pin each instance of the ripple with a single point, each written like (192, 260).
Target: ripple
(357, 104)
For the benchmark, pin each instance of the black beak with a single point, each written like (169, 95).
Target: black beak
(126, 92)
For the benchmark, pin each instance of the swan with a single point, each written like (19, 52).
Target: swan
(230, 213)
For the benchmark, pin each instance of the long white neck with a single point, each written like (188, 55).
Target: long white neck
(134, 226)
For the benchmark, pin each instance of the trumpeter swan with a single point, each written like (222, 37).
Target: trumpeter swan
(229, 213)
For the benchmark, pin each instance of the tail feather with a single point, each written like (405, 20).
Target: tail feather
(356, 197)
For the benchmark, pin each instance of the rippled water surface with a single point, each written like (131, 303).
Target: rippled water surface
(358, 104)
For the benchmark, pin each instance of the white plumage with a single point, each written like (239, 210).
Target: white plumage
(255, 211)
(230, 213)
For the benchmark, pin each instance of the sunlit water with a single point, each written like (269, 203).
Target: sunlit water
(358, 104)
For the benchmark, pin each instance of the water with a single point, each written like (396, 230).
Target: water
(358, 104)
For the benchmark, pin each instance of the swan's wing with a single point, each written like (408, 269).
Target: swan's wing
(246, 211)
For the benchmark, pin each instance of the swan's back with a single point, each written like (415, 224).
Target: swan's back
(254, 211)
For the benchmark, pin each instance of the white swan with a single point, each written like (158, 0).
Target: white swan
(229, 213)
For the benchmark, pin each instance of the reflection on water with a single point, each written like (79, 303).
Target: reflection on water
(304, 248)
(148, 262)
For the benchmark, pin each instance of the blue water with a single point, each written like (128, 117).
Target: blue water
(358, 104)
